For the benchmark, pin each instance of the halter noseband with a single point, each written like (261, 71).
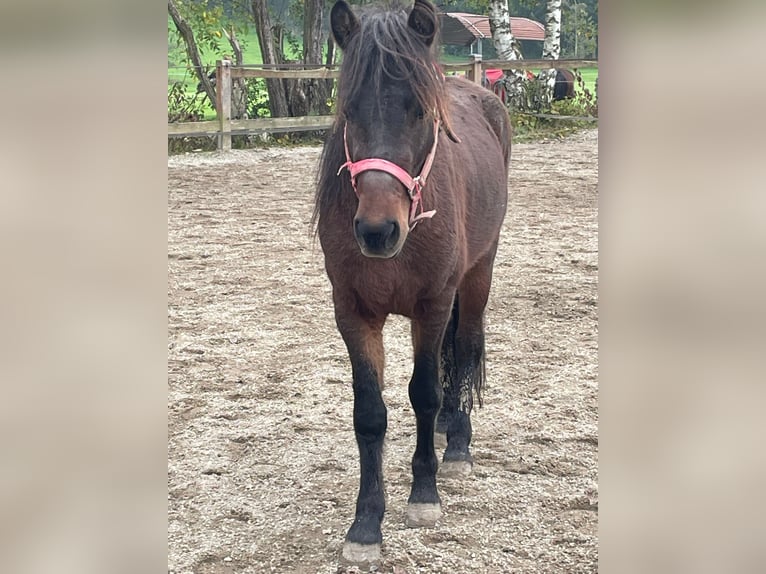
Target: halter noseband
(414, 185)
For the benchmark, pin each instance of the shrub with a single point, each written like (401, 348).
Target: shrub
(183, 106)
(257, 98)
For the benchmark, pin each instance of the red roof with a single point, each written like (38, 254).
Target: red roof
(463, 28)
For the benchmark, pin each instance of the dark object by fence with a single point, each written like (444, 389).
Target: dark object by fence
(211, 77)
(564, 88)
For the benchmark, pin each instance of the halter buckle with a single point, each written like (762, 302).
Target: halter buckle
(413, 191)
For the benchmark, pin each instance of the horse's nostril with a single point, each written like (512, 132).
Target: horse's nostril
(393, 236)
(377, 236)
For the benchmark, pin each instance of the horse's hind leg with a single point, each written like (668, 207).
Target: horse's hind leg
(364, 339)
(424, 505)
(467, 375)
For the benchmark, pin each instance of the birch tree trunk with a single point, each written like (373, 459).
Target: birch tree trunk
(500, 26)
(551, 47)
(502, 40)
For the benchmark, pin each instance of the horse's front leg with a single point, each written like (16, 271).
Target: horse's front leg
(364, 339)
(424, 505)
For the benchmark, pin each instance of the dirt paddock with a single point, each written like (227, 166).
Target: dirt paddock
(262, 462)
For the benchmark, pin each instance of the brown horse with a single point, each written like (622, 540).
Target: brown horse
(411, 195)
(564, 88)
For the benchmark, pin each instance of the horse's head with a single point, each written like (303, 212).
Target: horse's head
(390, 97)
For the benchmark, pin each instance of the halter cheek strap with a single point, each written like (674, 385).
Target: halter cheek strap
(414, 185)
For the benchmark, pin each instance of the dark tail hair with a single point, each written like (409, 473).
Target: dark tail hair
(450, 382)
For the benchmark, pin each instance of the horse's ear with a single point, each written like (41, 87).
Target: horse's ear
(343, 22)
(423, 21)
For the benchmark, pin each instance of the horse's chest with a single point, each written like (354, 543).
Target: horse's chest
(393, 290)
(385, 294)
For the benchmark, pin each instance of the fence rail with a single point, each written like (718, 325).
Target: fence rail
(224, 127)
(321, 73)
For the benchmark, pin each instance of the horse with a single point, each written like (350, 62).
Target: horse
(410, 198)
(564, 88)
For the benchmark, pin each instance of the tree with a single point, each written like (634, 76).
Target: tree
(551, 47)
(238, 86)
(186, 32)
(502, 40)
(500, 26)
(271, 53)
(203, 26)
(317, 91)
(293, 97)
(579, 29)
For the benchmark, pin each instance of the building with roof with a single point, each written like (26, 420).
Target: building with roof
(464, 29)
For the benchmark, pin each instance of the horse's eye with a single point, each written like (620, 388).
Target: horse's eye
(420, 113)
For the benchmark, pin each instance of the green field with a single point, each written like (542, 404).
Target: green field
(589, 76)
(177, 71)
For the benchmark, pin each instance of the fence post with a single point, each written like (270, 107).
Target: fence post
(475, 72)
(223, 103)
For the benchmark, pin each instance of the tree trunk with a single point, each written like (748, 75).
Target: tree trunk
(294, 97)
(330, 62)
(330, 59)
(191, 49)
(312, 31)
(314, 89)
(275, 86)
(502, 40)
(500, 26)
(551, 47)
(238, 86)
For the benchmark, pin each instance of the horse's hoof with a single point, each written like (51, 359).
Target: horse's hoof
(422, 515)
(360, 554)
(440, 439)
(455, 468)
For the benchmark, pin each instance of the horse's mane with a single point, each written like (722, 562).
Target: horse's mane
(384, 47)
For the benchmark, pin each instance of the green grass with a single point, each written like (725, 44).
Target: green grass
(251, 54)
(589, 76)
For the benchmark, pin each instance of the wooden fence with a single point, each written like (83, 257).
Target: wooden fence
(224, 127)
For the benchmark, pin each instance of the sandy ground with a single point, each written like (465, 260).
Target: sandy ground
(262, 463)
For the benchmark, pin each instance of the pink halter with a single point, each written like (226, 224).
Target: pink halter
(414, 185)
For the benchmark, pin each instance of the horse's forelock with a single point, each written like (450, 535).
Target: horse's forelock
(385, 47)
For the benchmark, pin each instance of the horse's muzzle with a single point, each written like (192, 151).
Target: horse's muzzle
(378, 239)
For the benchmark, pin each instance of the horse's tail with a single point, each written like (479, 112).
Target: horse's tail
(480, 376)
(451, 383)
(449, 356)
